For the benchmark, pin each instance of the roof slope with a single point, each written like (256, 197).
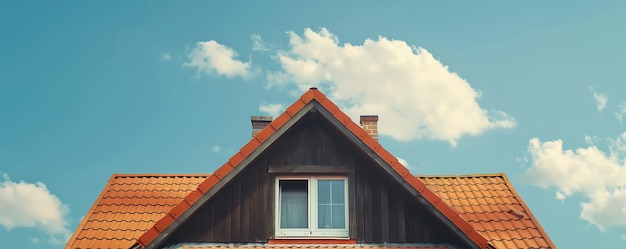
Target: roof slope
(128, 206)
(491, 205)
(275, 129)
(485, 201)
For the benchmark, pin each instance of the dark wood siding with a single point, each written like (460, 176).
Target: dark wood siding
(380, 210)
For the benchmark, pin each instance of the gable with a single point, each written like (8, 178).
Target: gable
(381, 211)
(312, 102)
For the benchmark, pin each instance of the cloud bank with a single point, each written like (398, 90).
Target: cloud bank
(31, 205)
(416, 96)
(597, 175)
(212, 58)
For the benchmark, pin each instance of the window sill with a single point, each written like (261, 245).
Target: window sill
(309, 240)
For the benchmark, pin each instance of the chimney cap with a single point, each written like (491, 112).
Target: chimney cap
(261, 118)
(313, 88)
(369, 118)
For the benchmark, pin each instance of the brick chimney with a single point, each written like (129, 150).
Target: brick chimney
(259, 123)
(370, 124)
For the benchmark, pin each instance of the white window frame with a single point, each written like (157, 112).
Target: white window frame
(312, 230)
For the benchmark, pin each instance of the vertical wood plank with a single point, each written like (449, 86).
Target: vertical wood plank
(367, 205)
(352, 205)
(226, 212)
(384, 212)
(360, 205)
(211, 221)
(254, 203)
(235, 213)
(245, 206)
(401, 219)
(219, 217)
(264, 222)
(375, 206)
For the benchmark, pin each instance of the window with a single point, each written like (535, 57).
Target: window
(311, 206)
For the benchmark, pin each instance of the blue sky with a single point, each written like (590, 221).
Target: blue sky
(533, 89)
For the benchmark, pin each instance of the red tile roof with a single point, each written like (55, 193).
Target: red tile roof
(306, 98)
(128, 206)
(309, 246)
(131, 204)
(493, 208)
(484, 201)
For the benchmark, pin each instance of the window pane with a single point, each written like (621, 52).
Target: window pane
(293, 204)
(331, 204)
(323, 192)
(323, 216)
(339, 216)
(338, 195)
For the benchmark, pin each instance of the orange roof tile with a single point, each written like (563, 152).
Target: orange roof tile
(137, 208)
(314, 95)
(128, 206)
(491, 205)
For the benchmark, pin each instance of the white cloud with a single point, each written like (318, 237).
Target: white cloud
(211, 58)
(31, 205)
(34, 240)
(271, 109)
(216, 148)
(600, 176)
(601, 100)
(623, 236)
(257, 43)
(166, 57)
(415, 95)
(620, 113)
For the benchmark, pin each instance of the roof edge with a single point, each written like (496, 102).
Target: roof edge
(533, 219)
(80, 226)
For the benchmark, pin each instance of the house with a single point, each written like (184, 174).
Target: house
(311, 178)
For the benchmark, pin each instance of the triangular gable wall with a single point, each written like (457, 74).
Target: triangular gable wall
(316, 101)
(381, 211)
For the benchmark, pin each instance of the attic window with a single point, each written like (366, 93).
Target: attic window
(312, 207)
